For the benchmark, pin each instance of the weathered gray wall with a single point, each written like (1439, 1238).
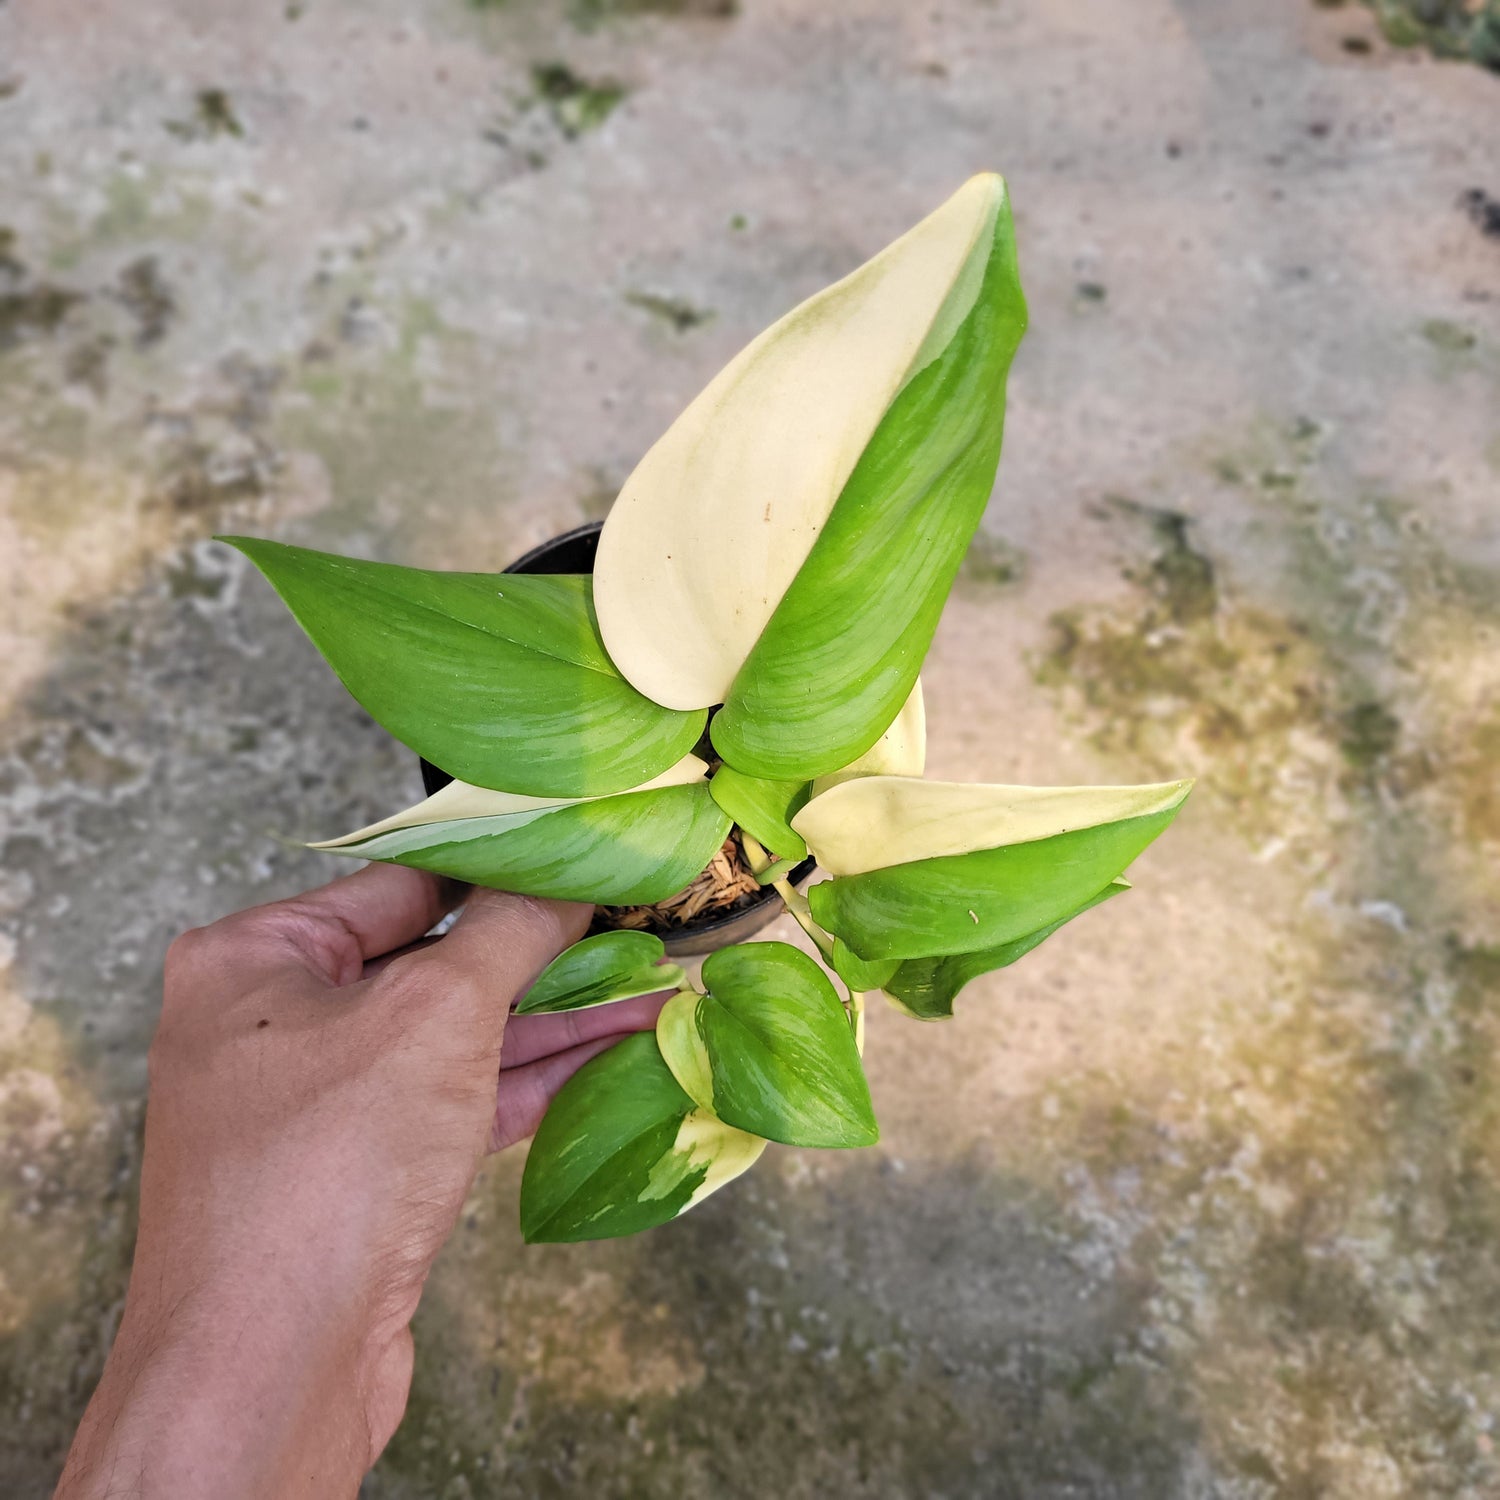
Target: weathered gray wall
(1201, 1199)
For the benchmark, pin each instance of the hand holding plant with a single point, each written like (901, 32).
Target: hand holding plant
(744, 657)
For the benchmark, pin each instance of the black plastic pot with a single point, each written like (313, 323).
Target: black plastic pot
(574, 552)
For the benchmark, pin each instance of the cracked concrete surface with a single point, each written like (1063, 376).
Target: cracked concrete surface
(1200, 1200)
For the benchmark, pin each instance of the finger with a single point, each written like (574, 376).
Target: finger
(528, 1038)
(324, 936)
(526, 1092)
(497, 948)
(378, 965)
(384, 907)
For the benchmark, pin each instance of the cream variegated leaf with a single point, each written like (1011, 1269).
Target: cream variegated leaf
(900, 751)
(623, 1149)
(769, 1049)
(630, 848)
(934, 869)
(709, 531)
(460, 803)
(877, 821)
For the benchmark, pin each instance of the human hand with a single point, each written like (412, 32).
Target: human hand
(323, 1087)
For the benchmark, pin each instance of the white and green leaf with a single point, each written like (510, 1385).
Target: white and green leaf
(930, 868)
(624, 1148)
(877, 577)
(900, 751)
(502, 680)
(925, 988)
(879, 398)
(769, 1049)
(600, 969)
(634, 847)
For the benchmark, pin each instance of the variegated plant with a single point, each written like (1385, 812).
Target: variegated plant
(774, 570)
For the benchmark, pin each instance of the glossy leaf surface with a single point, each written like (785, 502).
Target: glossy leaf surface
(622, 1149)
(962, 903)
(856, 973)
(888, 820)
(840, 654)
(635, 847)
(925, 988)
(502, 680)
(900, 751)
(769, 1049)
(710, 530)
(599, 969)
(764, 809)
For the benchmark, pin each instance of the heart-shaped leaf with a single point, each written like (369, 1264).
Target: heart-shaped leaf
(623, 1148)
(597, 970)
(925, 987)
(635, 847)
(929, 867)
(710, 531)
(500, 679)
(769, 1049)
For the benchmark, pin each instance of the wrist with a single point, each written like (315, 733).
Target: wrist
(210, 1394)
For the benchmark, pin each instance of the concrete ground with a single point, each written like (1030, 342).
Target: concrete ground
(1200, 1200)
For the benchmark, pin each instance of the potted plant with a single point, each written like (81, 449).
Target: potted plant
(738, 673)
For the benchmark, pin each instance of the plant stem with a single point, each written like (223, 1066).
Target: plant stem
(796, 903)
(794, 900)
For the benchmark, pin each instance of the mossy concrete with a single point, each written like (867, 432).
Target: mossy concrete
(1200, 1200)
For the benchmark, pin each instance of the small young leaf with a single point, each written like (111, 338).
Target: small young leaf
(622, 1149)
(925, 987)
(634, 847)
(966, 895)
(597, 970)
(769, 1049)
(856, 973)
(500, 679)
(764, 809)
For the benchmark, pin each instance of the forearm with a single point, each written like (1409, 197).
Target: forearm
(222, 1400)
(316, 1118)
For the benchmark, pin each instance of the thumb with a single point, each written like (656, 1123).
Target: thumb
(498, 946)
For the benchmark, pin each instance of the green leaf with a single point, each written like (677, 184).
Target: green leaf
(881, 569)
(632, 848)
(500, 679)
(962, 903)
(622, 1149)
(925, 987)
(769, 1049)
(900, 751)
(764, 809)
(596, 970)
(856, 973)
